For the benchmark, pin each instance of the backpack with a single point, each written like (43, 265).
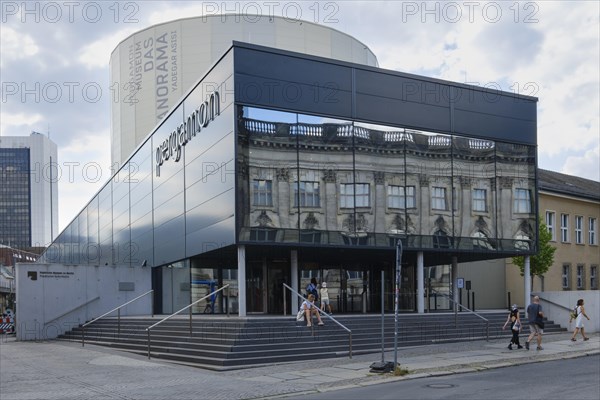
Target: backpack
(574, 313)
(312, 289)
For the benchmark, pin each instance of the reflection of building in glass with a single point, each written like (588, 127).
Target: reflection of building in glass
(347, 183)
(278, 189)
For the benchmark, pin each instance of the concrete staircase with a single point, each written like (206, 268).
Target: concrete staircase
(226, 343)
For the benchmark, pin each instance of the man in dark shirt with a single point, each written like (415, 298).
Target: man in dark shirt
(535, 317)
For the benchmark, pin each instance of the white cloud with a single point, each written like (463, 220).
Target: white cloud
(16, 46)
(97, 53)
(586, 166)
(10, 123)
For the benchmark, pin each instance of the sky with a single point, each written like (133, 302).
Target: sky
(55, 79)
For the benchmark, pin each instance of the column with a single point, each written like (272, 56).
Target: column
(241, 281)
(527, 281)
(420, 284)
(294, 282)
(454, 282)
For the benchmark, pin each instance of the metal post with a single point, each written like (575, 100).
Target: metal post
(284, 303)
(82, 336)
(473, 300)
(190, 308)
(397, 300)
(148, 343)
(382, 317)
(509, 302)
(152, 304)
(350, 344)
(119, 322)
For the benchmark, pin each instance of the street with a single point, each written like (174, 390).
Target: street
(576, 378)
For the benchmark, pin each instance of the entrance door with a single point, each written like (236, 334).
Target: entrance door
(255, 287)
(278, 274)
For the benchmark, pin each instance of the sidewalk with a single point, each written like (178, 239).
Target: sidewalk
(60, 370)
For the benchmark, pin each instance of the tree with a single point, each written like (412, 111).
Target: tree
(541, 262)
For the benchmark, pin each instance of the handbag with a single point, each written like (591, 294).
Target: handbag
(516, 327)
(300, 315)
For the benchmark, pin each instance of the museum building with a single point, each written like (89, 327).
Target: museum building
(277, 167)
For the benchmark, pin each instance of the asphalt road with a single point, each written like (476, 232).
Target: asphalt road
(576, 378)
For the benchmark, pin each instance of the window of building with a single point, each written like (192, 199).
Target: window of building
(348, 195)
(580, 277)
(550, 224)
(578, 229)
(522, 201)
(401, 197)
(564, 228)
(438, 198)
(479, 200)
(307, 194)
(262, 192)
(566, 269)
(594, 277)
(592, 235)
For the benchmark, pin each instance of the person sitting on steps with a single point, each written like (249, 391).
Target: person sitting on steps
(309, 309)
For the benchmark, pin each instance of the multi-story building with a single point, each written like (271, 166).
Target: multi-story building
(28, 191)
(258, 188)
(570, 208)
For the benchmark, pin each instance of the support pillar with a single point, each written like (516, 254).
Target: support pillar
(455, 282)
(294, 280)
(527, 280)
(241, 280)
(420, 284)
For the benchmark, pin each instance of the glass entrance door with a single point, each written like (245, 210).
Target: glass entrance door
(255, 287)
(278, 274)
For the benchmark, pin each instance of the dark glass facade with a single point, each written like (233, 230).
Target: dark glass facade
(15, 198)
(317, 168)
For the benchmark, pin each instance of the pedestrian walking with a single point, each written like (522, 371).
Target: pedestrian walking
(535, 317)
(515, 326)
(579, 314)
(324, 292)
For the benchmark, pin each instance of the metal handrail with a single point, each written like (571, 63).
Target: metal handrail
(322, 312)
(553, 303)
(184, 308)
(72, 309)
(487, 322)
(118, 309)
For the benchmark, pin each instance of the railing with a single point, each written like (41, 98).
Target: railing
(487, 322)
(322, 312)
(554, 304)
(72, 309)
(118, 309)
(184, 308)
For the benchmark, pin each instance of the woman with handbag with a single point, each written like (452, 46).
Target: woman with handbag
(579, 314)
(515, 326)
(308, 309)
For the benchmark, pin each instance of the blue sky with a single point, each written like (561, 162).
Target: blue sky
(54, 66)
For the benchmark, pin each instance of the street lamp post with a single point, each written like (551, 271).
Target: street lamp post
(397, 299)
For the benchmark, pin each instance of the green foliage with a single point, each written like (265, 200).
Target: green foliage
(400, 371)
(541, 262)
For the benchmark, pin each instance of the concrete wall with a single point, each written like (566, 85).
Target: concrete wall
(53, 298)
(557, 306)
(487, 282)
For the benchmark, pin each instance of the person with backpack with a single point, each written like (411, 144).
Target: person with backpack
(579, 314)
(515, 326)
(312, 288)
